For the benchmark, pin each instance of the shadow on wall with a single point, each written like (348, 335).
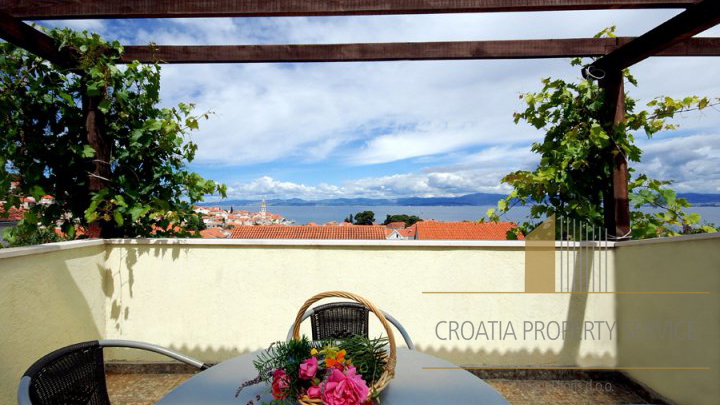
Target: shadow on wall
(492, 358)
(118, 290)
(577, 309)
(657, 328)
(47, 301)
(115, 282)
(520, 358)
(568, 355)
(203, 353)
(200, 352)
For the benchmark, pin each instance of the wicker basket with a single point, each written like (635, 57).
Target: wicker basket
(389, 372)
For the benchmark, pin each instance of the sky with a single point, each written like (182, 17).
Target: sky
(410, 128)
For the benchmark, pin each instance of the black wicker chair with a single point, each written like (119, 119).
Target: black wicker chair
(339, 320)
(75, 375)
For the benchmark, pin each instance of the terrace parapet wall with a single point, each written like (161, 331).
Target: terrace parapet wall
(215, 299)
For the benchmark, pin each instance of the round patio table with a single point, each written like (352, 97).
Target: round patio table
(412, 384)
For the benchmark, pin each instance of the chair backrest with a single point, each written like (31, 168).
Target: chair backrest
(339, 320)
(73, 375)
(408, 341)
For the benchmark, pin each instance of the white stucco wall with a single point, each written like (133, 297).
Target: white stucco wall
(50, 296)
(688, 264)
(217, 300)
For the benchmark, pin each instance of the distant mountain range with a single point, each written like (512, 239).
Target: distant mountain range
(699, 200)
(475, 199)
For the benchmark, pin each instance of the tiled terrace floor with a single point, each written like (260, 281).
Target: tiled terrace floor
(146, 389)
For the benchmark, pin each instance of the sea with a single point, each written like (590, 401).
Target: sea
(302, 215)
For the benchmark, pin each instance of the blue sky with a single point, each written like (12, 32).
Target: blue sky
(392, 129)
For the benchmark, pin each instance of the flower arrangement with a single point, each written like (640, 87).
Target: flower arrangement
(337, 372)
(350, 371)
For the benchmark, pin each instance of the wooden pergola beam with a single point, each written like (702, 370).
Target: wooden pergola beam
(74, 9)
(694, 20)
(523, 49)
(18, 33)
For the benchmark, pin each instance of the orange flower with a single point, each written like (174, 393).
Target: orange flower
(332, 363)
(341, 355)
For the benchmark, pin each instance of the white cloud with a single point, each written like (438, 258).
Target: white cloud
(503, 156)
(692, 162)
(372, 113)
(97, 26)
(432, 183)
(391, 111)
(267, 187)
(427, 139)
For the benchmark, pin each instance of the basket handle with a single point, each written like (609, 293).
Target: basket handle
(392, 356)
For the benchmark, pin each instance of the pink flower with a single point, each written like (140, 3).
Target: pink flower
(308, 369)
(313, 392)
(280, 384)
(345, 388)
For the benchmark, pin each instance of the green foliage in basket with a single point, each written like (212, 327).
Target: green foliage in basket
(285, 366)
(368, 355)
(286, 356)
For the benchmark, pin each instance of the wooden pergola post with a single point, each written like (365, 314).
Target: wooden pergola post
(15, 31)
(100, 177)
(616, 203)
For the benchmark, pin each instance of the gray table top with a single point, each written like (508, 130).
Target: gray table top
(412, 384)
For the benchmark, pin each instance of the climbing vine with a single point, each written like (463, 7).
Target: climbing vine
(147, 189)
(575, 167)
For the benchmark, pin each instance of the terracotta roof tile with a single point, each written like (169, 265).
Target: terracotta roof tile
(408, 232)
(308, 232)
(433, 230)
(80, 231)
(396, 225)
(15, 215)
(156, 229)
(212, 233)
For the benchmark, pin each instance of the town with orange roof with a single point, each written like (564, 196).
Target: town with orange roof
(422, 230)
(264, 225)
(243, 224)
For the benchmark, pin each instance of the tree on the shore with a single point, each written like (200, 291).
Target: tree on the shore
(365, 218)
(409, 220)
(575, 170)
(147, 189)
